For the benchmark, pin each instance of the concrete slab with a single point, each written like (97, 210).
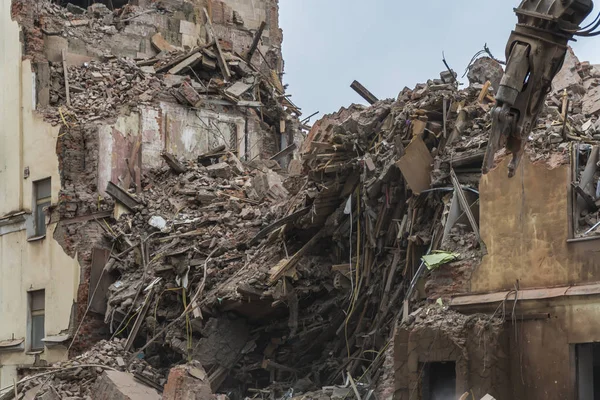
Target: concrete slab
(115, 385)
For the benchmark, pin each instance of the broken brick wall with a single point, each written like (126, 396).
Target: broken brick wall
(477, 345)
(78, 230)
(236, 22)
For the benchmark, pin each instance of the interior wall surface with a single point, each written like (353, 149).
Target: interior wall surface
(525, 227)
(481, 367)
(181, 131)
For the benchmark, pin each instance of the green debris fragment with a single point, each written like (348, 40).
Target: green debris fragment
(438, 258)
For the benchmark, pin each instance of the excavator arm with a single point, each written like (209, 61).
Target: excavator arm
(535, 53)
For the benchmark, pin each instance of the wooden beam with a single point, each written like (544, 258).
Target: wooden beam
(288, 150)
(138, 321)
(284, 266)
(188, 62)
(173, 163)
(464, 204)
(484, 91)
(256, 41)
(278, 224)
(121, 196)
(220, 58)
(66, 75)
(177, 60)
(364, 93)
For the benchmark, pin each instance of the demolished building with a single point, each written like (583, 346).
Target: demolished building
(101, 94)
(160, 195)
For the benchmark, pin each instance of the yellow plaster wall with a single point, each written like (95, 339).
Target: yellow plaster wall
(525, 225)
(10, 124)
(27, 266)
(27, 141)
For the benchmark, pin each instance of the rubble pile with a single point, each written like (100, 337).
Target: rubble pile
(99, 90)
(278, 285)
(77, 377)
(98, 84)
(290, 284)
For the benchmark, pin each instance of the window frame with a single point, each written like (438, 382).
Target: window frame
(572, 200)
(37, 312)
(39, 203)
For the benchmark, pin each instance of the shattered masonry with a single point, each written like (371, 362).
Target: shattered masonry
(216, 250)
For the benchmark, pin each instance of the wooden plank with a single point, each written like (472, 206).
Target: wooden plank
(188, 62)
(416, 166)
(248, 103)
(161, 44)
(589, 200)
(364, 93)
(464, 204)
(121, 196)
(484, 91)
(238, 89)
(66, 75)
(173, 163)
(287, 151)
(278, 224)
(285, 266)
(461, 160)
(256, 41)
(138, 321)
(177, 60)
(220, 57)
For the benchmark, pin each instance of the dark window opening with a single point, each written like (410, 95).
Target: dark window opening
(588, 371)
(439, 381)
(585, 191)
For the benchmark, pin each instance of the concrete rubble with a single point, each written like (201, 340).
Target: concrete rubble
(80, 377)
(236, 278)
(264, 278)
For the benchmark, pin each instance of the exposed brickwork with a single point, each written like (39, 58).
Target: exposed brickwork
(451, 279)
(26, 14)
(182, 386)
(221, 13)
(77, 150)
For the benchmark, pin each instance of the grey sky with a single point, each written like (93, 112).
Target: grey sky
(388, 44)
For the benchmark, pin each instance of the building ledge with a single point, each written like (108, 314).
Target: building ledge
(525, 294)
(14, 218)
(36, 238)
(56, 340)
(12, 345)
